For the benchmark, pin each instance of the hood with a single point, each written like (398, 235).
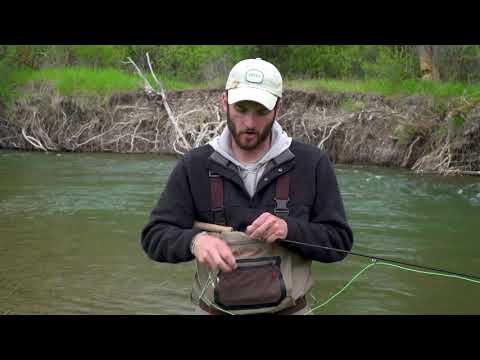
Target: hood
(280, 142)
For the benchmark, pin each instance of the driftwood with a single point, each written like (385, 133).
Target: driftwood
(188, 134)
(160, 93)
(36, 144)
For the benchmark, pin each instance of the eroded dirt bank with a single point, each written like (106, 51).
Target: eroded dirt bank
(412, 132)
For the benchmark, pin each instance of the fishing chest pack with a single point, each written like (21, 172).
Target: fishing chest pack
(269, 278)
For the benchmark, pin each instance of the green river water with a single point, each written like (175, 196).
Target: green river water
(70, 239)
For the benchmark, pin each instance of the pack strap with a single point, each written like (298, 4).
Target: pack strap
(282, 189)
(216, 192)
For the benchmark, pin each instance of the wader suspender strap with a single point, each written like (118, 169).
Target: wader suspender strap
(216, 191)
(281, 196)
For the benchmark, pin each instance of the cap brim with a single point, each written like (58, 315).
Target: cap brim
(252, 94)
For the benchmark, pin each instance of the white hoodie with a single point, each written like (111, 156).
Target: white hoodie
(251, 173)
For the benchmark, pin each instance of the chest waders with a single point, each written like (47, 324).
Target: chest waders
(269, 278)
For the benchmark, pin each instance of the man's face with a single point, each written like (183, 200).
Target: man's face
(250, 123)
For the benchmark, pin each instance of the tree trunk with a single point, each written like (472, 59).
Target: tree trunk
(429, 59)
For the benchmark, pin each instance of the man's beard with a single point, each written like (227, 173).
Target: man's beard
(261, 136)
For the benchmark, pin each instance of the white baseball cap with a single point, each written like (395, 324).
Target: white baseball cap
(255, 80)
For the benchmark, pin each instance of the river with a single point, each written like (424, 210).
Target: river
(70, 225)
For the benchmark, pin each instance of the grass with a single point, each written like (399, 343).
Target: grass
(105, 81)
(390, 88)
(83, 80)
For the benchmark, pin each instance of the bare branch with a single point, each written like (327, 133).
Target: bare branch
(148, 87)
(320, 144)
(159, 84)
(36, 144)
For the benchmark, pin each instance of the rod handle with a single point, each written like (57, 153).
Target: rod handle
(211, 227)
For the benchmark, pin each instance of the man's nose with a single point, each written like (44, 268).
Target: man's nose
(249, 119)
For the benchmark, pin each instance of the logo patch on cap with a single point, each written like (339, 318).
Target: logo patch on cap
(254, 76)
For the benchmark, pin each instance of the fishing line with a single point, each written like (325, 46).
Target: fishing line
(338, 293)
(210, 281)
(386, 264)
(464, 276)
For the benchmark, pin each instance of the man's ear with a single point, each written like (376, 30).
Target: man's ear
(279, 105)
(224, 101)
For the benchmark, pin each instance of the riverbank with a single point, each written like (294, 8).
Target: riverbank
(420, 133)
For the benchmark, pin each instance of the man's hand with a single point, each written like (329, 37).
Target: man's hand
(268, 227)
(215, 253)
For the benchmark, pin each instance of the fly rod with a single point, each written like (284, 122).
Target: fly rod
(385, 260)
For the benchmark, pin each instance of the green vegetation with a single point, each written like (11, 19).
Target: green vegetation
(105, 81)
(83, 80)
(458, 120)
(351, 106)
(7, 66)
(388, 87)
(79, 80)
(406, 133)
(101, 69)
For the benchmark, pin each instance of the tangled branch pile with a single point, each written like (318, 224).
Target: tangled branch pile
(455, 145)
(360, 129)
(51, 122)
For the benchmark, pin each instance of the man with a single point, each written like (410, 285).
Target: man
(278, 194)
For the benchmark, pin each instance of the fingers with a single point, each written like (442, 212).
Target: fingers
(268, 227)
(271, 238)
(227, 257)
(257, 223)
(217, 262)
(262, 231)
(274, 232)
(215, 253)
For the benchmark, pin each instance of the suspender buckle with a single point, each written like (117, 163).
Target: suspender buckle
(281, 208)
(211, 174)
(219, 216)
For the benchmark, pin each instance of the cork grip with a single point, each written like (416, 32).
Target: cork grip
(211, 227)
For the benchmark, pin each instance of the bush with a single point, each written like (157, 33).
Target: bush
(99, 55)
(211, 63)
(391, 64)
(460, 63)
(185, 62)
(7, 68)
